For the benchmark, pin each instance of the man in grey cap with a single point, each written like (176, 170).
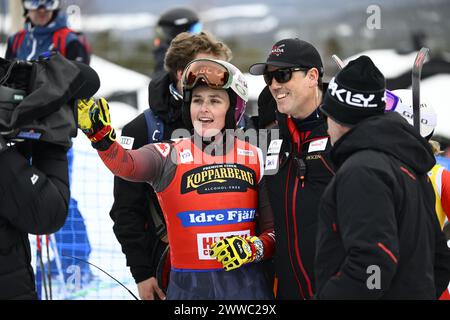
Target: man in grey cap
(293, 73)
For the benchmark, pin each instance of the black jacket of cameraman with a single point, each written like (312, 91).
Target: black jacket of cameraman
(33, 199)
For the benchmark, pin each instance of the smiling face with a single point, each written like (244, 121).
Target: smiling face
(40, 17)
(298, 97)
(208, 110)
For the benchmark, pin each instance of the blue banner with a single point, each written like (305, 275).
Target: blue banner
(216, 217)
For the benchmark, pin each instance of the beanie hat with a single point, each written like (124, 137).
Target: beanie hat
(355, 93)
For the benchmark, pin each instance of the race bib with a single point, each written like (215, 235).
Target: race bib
(318, 145)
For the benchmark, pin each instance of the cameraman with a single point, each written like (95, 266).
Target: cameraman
(37, 121)
(34, 198)
(46, 29)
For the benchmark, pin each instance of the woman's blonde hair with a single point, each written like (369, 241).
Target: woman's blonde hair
(436, 146)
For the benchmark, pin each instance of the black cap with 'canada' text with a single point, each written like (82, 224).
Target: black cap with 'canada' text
(290, 53)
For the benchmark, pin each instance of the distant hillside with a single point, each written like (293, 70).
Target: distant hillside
(334, 26)
(281, 7)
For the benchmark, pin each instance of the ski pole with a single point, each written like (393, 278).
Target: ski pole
(41, 263)
(58, 265)
(338, 61)
(49, 271)
(415, 81)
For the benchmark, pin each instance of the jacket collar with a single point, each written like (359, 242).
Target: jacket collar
(163, 100)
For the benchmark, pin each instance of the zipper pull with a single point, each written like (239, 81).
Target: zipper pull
(301, 169)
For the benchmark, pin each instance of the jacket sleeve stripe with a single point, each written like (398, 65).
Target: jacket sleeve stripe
(388, 252)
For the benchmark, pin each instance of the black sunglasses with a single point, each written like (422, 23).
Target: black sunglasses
(281, 75)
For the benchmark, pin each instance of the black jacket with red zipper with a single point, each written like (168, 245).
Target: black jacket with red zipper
(304, 172)
(378, 235)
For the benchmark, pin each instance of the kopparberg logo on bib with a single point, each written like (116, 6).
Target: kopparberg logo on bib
(218, 178)
(216, 217)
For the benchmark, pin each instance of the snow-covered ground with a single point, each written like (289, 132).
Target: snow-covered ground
(115, 79)
(92, 187)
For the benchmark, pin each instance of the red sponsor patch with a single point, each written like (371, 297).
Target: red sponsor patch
(206, 240)
(163, 148)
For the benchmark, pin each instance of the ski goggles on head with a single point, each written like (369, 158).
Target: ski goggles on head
(211, 73)
(282, 75)
(391, 101)
(49, 5)
(196, 28)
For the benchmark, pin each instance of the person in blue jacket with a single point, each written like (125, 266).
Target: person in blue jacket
(45, 30)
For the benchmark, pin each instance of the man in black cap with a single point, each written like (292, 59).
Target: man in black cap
(378, 235)
(293, 73)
